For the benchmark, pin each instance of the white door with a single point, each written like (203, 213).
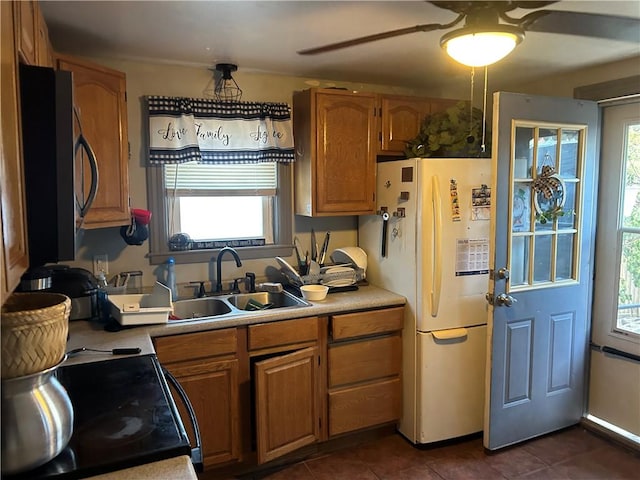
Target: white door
(614, 381)
(541, 265)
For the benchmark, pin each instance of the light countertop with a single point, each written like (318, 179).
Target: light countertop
(92, 334)
(176, 468)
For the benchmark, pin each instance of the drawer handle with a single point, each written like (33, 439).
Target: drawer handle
(450, 334)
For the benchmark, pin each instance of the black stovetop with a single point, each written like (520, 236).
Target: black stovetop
(123, 416)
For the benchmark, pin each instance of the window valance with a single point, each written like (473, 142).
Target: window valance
(185, 129)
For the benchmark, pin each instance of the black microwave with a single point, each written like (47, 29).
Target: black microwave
(55, 154)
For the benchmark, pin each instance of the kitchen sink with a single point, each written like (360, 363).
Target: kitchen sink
(200, 307)
(232, 305)
(265, 301)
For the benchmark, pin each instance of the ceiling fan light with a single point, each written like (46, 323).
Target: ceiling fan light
(479, 48)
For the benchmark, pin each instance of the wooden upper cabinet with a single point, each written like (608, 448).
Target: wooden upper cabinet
(400, 121)
(15, 258)
(335, 135)
(25, 18)
(100, 98)
(44, 52)
(401, 118)
(31, 34)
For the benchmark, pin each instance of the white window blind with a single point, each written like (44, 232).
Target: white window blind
(192, 179)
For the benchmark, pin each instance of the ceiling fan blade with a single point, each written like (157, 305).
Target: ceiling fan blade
(379, 36)
(585, 24)
(497, 6)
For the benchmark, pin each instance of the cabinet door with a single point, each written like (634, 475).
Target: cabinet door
(100, 97)
(212, 387)
(15, 258)
(345, 147)
(287, 403)
(441, 104)
(401, 118)
(25, 27)
(44, 56)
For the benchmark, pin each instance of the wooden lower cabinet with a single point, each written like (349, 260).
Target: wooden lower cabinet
(207, 366)
(268, 389)
(361, 406)
(287, 403)
(287, 358)
(364, 366)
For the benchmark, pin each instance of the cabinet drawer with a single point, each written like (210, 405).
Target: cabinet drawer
(287, 332)
(364, 406)
(365, 360)
(196, 345)
(367, 323)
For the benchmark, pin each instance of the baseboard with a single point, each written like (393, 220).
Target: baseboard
(629, 441)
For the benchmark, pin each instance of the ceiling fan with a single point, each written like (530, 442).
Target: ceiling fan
(481, 17)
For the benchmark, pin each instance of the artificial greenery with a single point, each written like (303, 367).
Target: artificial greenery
(552, 213)
(454, 132)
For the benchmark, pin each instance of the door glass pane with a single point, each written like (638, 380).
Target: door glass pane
(567, 220)
(569, 153)
(542, 259)
(521, 208)
(520, 261)
(564, 256)
(547, 144)
(524, 152)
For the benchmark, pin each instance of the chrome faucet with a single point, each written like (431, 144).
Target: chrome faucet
(219, 265)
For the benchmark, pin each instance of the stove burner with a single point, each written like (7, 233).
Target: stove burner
(130, 426)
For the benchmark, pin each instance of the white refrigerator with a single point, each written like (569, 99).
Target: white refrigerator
(430, 243)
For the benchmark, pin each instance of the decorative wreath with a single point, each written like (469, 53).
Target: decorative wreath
(548, 198)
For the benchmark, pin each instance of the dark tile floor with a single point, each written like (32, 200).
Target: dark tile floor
(574, 453)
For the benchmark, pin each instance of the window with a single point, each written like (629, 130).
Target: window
(238, 190)
(628, 318)
(248, 204)
(546, 183)
(616, 307)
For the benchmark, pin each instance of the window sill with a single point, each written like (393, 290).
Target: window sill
(204, 256)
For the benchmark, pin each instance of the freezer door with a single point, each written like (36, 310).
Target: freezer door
(451, 369)
(453, 229)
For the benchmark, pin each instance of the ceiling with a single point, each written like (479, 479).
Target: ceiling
(264, 36)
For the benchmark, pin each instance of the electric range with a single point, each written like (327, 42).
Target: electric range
(124, 416)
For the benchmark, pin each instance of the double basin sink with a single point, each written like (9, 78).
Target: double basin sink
(234, 304)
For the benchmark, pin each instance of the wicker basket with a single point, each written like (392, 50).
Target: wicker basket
(34, 328)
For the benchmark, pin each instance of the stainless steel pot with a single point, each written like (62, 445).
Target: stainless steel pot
(37, 420)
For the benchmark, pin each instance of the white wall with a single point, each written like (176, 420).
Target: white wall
(160, 79)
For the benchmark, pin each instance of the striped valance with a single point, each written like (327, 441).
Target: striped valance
(185, 129)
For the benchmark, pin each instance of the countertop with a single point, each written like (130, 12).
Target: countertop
(92, 334)
(177, 468)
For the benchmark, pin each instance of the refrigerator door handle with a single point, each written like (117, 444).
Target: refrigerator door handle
(436, 273)
(451, 334)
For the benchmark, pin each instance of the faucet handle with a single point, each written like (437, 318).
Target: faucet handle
(236, 287)
(252, 281)
(201, 291)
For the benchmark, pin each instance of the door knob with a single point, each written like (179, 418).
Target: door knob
(504, 299)
(502, 274)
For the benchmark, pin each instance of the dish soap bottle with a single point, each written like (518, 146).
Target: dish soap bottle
(171, 278)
